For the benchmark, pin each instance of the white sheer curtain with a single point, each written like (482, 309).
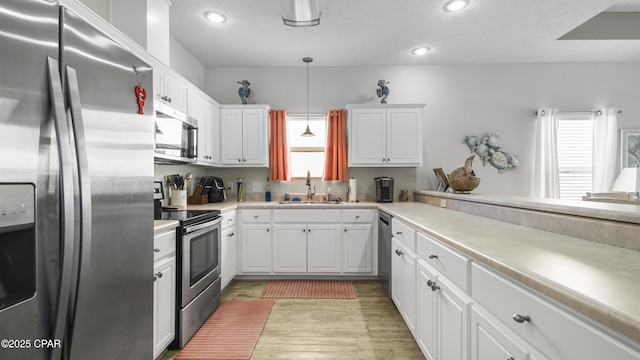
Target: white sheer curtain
(605, 136)
(546, 182)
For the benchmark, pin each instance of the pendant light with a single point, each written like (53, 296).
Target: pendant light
(307, 132)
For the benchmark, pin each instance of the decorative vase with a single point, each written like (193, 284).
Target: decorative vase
(463, 179)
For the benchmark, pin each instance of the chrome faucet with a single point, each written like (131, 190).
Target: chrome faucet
(309, 193)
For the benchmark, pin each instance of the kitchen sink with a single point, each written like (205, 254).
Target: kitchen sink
(310, 203)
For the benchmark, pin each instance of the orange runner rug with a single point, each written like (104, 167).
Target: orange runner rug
(308, 289)
(231, 332)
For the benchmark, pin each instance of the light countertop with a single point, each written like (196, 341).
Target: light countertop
(599, 210)
(597, 280)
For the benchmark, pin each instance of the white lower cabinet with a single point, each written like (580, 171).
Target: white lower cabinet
(290, 248)
(442, 319)
(301, 248)
(546, 326)
(491, 341)
(357, 249)
(164, 290)
(403, 282)
(324, 251)
(229, 255)
(256, 248)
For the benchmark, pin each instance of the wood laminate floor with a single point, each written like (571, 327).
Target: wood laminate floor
(368, 327)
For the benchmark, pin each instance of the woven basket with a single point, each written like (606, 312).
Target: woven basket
(463, 179)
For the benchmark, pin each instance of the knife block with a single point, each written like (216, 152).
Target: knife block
(197, 198)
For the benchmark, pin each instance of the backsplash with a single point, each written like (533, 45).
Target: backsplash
(404, 179)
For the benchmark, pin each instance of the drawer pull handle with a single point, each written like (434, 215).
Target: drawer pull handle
(156, 249)
(521, 318)
(398, 252)
(230, 235)
(433, 256)
(255, 216)
(159, 274)
(511, 358)
(357, 216)
(399, 233)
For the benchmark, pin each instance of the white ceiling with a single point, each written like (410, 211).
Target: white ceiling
(383, 32)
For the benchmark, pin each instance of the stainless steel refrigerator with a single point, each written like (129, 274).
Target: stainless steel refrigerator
(76, 180)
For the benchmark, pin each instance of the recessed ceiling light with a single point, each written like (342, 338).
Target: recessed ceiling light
(455, 5)
(420, 50)
(215, 17)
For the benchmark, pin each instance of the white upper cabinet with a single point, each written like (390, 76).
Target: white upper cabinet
(245, 135)
(208, 116)
(381, 135)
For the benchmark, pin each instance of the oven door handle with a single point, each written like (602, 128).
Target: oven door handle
(190, 229)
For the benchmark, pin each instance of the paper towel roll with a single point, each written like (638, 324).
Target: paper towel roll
(353, 192)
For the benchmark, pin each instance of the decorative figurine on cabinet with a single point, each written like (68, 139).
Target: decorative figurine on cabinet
(383, 90)
(244, 91)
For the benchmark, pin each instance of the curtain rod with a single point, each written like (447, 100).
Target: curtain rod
(597, 112)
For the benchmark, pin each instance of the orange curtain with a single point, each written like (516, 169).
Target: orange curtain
(335, 165)
(278, 148)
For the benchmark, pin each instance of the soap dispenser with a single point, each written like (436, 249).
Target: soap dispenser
(267, 191)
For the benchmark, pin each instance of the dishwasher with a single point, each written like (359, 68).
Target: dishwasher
(384, 250)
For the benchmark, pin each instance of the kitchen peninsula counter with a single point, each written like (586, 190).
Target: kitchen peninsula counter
(600, 281)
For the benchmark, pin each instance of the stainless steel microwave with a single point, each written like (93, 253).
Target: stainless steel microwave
(176, 136)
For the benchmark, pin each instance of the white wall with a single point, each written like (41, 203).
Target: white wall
(461, 100)
(185, 64)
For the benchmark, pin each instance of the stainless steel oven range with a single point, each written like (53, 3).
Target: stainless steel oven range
(198, 254)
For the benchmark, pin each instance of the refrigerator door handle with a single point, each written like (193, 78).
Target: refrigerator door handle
(67, 215)
(83, 168)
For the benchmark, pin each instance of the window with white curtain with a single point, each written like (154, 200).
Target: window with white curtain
(307, 153)
(575, 155)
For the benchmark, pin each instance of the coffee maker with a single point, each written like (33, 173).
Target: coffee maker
(384, 189)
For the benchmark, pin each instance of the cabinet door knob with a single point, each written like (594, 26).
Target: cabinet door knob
(399, 252)
(159, 274)
(521, 318)
(434, 287)
(304, 230)
(511, 358)
(433, 256)
(155, 278)
(388, 159)
(230, 234)
(345, 230)
(357, 216)
(244, 160)
(156, 249)
(267, 230)
(430, 283)
(239, 160)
